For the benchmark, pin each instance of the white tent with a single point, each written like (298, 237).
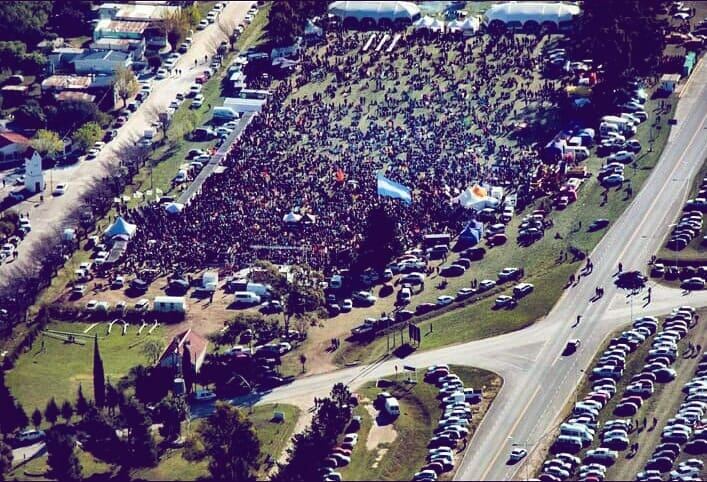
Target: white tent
(376, 11)
(424, 22)
(539, 12)
(437, 25)
(476, 198)
(291, 218)
(469, 25)
(174, 208)
(120, 227)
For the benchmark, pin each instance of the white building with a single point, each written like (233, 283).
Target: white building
(101, 62)
(34, 176)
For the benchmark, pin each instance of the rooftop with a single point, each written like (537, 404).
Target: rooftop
(9, 137)
(69, 95)
(67, 82)
(121, 26)
(197, 346)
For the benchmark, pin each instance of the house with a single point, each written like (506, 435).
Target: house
(60, 59)
(94, 84)
(135, 47)
(137, 21)
(101, 62)
(172, 355)
(12, 147)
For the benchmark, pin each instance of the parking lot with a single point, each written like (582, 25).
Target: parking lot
(623, 411)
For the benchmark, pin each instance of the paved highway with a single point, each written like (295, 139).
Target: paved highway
(49, 217)
(538, 382)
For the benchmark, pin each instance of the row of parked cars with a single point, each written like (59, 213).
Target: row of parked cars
(683, 432)
(454, 424)
(340, 455)
(578, 432)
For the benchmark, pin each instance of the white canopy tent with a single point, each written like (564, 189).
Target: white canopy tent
(429, 23)
(375, 11)
(174, 208)
(541, 13)
(291, 218)
(476, 197)
(120, 227)
(468, 26)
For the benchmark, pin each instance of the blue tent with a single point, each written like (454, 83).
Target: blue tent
(472, 233)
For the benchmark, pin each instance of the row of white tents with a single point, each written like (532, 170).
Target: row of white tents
(468, 26)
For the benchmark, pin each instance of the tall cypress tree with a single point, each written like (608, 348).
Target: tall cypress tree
(99, 379)
(188, 371)
(81, 403)
(8, 421)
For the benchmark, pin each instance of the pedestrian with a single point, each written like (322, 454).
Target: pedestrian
(655, 421)
(195, 63)
(645, 421)
(621, 267)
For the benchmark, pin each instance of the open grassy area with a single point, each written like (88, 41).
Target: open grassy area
(541, 261)
(59, 369)
(36, 468)
(273, 439)
(695, 252)
(401, 457)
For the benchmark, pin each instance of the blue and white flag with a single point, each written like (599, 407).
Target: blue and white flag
(389, 188)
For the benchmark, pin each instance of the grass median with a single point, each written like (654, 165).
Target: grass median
(542, 261)
(398, 450)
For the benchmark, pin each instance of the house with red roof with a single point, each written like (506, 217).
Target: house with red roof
(12, 148)
(172, 355)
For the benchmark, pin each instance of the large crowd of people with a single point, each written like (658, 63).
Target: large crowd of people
(436, 114)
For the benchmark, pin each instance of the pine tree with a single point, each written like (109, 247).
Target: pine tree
(67, 411)
(99, 379)
(188, 371)
(36, 418)
(142, 448)
(8, 423)
(5, 456)
(81, 403)
(21, 416)
(62, 461)
(112, 398)
(51, 413)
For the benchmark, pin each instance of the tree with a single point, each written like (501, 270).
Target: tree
(70, 18)
(36, 418)
(303, 360)
(125, 84)
(188, 371)
(381, 241)
(82, 405)
(154, 61)
(12, 53)
(67, 411)
(5, 456)
(24, 20)
(112, 398)
(171, 412)
(87, 135)
(228, 440)
(30, 114)
(51, 413)
(73, 113)
(142, 451)
(62, 460)
(152, 351)
(176, 26)
(7, 406)
(102, 439)
(47, 143)
(99, 380)
(21, 416)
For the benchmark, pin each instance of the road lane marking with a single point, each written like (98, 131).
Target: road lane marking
(515, 425)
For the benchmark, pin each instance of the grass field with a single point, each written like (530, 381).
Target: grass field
(36, 468)
(540, 261)
(695, 252)
(60, 369)
(662, 404)
(273, 439)
(400, 458)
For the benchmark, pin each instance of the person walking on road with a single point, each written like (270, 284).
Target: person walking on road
(621, 267)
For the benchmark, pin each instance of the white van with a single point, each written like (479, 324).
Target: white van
(577, 430)
(209, 281)
(392, 407)
(225, 113)
(246, 298)
(169, 304)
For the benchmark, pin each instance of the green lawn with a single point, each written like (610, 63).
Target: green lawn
(420, 413)
(36, 468)
(540, 261)
(58, 371)
(273, 439)
(695, 252)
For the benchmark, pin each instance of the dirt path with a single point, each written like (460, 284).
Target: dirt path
(379, 434)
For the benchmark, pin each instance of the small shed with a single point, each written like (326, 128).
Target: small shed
(669, 82)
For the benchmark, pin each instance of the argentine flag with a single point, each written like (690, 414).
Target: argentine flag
(389, 188)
